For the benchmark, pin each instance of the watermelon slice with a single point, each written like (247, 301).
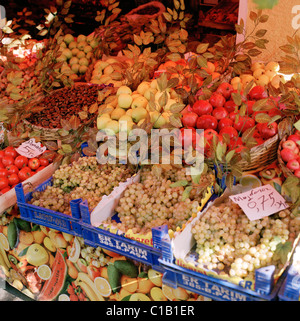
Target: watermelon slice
(55, 284)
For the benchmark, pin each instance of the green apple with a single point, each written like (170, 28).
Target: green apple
(81, 38)
(80, 54)
(124, 100)
(112, 125)
(83, 62)
(102, 122)
(62, 46)
(138, 114)
(87, 49)
(73, 61)
(72, 45)
(117, 113)
(94, 43)
(89, 55)
(81, 45)
(139, 101)
(75, 68)
(82, 69)
(124, 90)
(61, 58)
(68, 38)
(75, 51)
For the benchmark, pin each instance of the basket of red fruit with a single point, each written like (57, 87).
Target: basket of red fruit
(240, 121)
(288, 154)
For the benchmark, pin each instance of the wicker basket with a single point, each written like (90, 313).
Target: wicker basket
(282, 165)
(261, 156)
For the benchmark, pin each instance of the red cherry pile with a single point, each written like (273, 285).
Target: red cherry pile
(290, 153)
(15, 168)
(218, 115)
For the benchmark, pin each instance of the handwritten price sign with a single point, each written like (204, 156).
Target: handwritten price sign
(260, 202)
(30, 148)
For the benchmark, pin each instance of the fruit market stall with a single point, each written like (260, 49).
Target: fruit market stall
(141, 162)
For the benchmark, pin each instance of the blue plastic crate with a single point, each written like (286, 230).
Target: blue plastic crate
(133, 249)
(214, 288)
(46, 217)
(290, 289)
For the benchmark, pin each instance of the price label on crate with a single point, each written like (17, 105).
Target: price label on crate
(260, 202)
(31, 148)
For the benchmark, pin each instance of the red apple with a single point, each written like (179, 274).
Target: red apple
(230, 106)
(217, 100)
(189, 119)
(232, 132)
(224, 123)
(244, 123)
(220, 113)
(297, 173)
(295, 138)
(202, 107)
(289, 144)
(206, 122)
(235, 142)
(225, 89)
(293, 164)
(267, 131)
(258, 92)
(250, 104)
(287, 154)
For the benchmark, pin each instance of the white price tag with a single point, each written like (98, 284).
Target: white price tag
(31, 149)
(260, 202)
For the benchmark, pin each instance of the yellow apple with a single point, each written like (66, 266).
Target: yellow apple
(245, 79)
(117, 113)
(138, 114)
(258, 72)
(277, 80)
(235, 82)
(112, 127)
(148, 92)
(140, 101)
(271, 74)
(129, 112)
(124, 90)
(263, 80)
(257, 65)
(272, 66)
(142, 87)
(102, 122)
(124, 100)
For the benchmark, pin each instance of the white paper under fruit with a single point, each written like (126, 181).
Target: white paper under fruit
(106, 207)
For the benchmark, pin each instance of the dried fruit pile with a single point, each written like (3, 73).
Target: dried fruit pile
(64, 103)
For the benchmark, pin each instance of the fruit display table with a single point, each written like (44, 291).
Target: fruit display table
(137, 164)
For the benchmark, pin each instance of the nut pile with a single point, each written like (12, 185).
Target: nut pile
(64, 103)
